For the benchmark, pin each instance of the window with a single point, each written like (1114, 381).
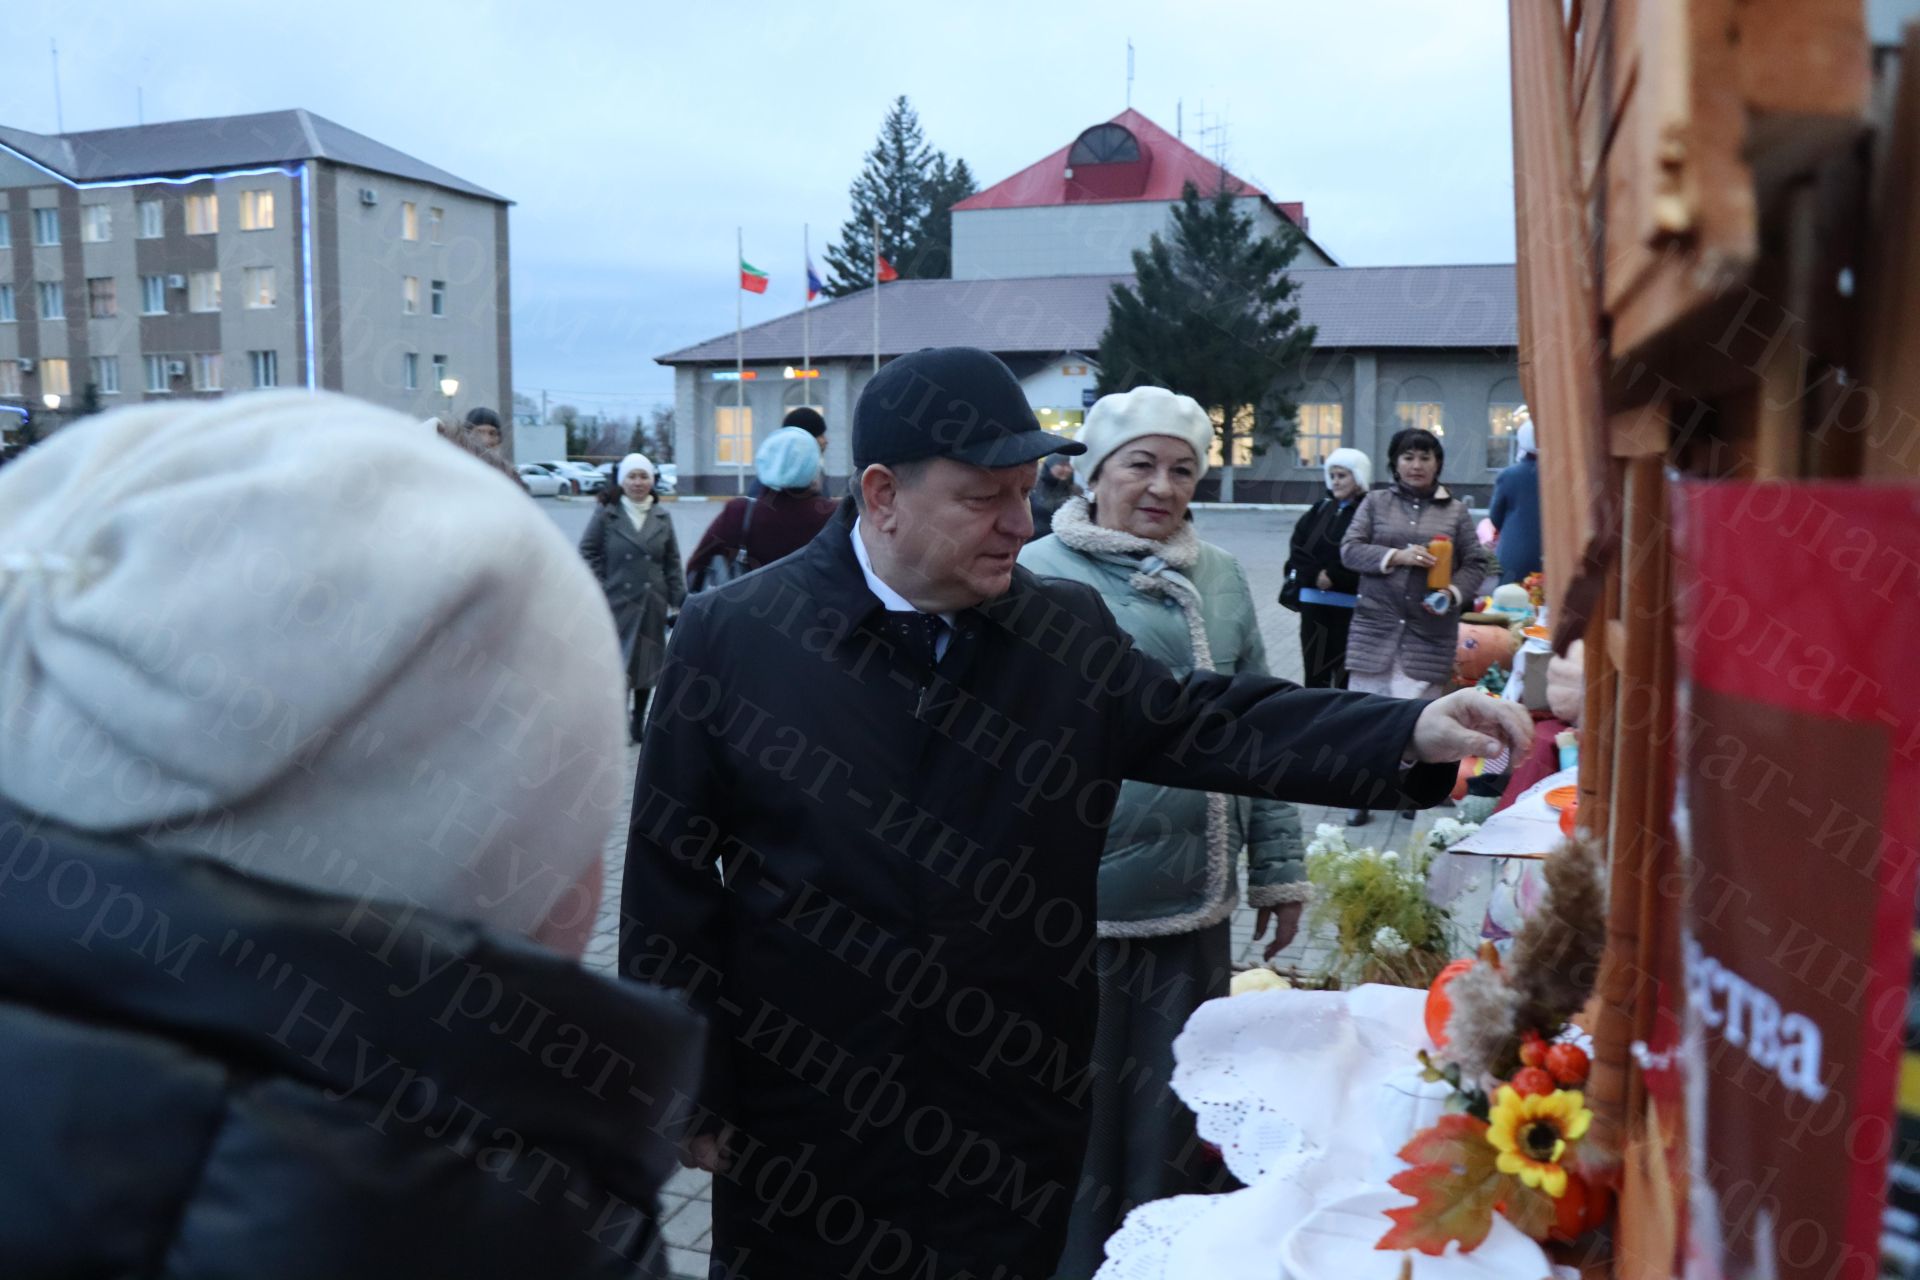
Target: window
(106, 375)
(733, 435)
(1242, 438)
(152, 221)
(439, 294)
(54, 377)
(96, 223)
(46, 226)
(159, 379)
(1502, 435)
(203, 291)
(53, 300)
(102, 303)
(1316, 433)
(259, 286)
(153, 295)
(266, 368)
(410, 296)
(1425, 414)
(256, 210)
(6, 304)
(203, 215)
(439, 371)
(410, 370)
(409, 220)
(10, 378)
(436, 219)
(6, 230)
(206, 371)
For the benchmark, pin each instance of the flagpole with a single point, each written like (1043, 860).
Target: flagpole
(806, 294)
(876, 293)
(739, 360)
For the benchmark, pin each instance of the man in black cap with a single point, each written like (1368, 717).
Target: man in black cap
(870, 808)
(808, 420)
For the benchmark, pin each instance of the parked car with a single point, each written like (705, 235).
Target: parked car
(568, 484)
(665, 483)
(541, 484)
(585, 475)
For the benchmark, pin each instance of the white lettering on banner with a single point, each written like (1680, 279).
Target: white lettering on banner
(1786, 1044)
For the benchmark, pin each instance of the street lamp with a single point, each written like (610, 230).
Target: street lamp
(51, 400)
(448, 386)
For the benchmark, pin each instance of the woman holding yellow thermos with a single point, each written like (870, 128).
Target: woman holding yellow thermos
(1420, 565)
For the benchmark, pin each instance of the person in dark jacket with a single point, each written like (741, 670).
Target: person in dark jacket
(306, 773)
(630, 545)
(866, 838)
(1328, 589)
(1055, 486)
(755, 531)
(1515, 510)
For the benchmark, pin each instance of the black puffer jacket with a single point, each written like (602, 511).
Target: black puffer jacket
(211, 1075)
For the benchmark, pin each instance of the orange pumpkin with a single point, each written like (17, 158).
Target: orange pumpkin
(1570, 817)
(1583, 1207)
(1439, 1007)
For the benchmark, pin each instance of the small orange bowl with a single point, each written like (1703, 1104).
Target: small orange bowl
(1561, 797)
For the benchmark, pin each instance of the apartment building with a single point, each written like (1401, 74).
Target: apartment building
(202, 258)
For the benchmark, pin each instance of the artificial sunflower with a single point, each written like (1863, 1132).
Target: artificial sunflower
(1531, 1132)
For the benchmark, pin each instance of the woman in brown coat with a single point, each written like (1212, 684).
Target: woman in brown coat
(1404, 632)
(630, 546)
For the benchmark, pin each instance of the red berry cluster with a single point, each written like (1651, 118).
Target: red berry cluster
(1546, 1067)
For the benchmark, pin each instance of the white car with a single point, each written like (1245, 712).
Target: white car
(541, 484)
(585, 476)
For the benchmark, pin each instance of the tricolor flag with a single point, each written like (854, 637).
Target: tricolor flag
(814, 287)
(752, 278)
(884, 269)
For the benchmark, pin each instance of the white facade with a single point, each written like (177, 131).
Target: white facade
(1079, 239)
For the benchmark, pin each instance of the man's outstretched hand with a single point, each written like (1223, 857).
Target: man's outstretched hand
(1469, 723)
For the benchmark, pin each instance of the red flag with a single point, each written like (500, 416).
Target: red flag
(752, 278)
(884, 269)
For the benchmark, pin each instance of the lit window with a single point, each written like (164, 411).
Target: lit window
(153, 295)
(206, 371)
(10, 378)
(1425, 414)
(55, 378)
(259, 286)
(203, 291)
(102, 303)
(152, 220)
(439, 296)
(409, 220)
(53, 300)
(256, 210)
(733, 435)
(266, 368)
(410, 370)
(46, 226)
(410, 295)
(1317, 433)
(159, 375)
(203, 215)
(1502, 435)
(1242, 438)
(106, 375)
(6, 304)
(436, 219)
(96, 223)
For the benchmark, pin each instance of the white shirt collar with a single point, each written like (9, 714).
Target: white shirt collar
(890, 599)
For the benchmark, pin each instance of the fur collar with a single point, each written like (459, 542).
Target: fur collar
(1073, 524)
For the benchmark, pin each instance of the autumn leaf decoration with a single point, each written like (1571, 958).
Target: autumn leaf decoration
(1457, 1187)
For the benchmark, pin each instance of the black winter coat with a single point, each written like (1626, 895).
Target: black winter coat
(211, 1075)
(1316, 545)
(900, 962)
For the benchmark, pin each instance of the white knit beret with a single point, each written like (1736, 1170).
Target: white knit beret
(297, 633)
(1144, 411)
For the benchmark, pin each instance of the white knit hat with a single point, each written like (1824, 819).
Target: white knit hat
(1144, 411)
(631, 463)
(298, 634)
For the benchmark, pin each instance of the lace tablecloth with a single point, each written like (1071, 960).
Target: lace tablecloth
(1308, 1094)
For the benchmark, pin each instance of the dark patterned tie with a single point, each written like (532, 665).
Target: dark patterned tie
(917, 634)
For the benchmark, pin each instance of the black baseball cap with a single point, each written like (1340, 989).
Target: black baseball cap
(950, 402)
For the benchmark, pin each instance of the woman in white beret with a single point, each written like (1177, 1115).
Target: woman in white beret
(629, 544)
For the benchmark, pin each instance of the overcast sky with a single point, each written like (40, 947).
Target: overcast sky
(635, 136)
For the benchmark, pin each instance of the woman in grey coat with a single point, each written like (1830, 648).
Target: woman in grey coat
(1169, 874)
(630, 546)
(1404, 632)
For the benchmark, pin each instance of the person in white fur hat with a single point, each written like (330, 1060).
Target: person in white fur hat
(1169, 875)
(1318, 585)
(305, 749)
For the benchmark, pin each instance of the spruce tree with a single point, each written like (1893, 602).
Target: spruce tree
(911, 188)
(1211, 314)
(949, 185)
